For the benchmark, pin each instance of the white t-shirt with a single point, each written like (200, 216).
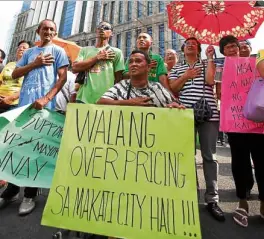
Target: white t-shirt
(67, 90)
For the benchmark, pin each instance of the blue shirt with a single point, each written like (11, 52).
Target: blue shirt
(38, 82)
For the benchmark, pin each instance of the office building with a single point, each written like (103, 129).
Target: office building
(77, 21)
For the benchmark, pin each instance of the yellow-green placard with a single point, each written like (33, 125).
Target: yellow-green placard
(126, 172)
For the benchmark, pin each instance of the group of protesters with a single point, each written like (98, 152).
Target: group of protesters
(41, 77)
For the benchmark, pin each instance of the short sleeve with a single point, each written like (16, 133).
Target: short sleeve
(260, 56)
(24, 60)
(61, 59)
(162, 70)
(1, 77)
(126, 67)
(81, 55)
(119, 61)
(71, 80)
(174, 75)
(112, 93)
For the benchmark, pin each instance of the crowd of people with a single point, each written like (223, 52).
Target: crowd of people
(44, 77)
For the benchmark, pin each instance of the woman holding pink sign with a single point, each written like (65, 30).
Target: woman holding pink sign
(244, 145)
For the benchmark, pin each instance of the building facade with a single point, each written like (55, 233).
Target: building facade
(77, 21)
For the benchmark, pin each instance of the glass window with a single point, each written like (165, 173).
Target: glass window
(118, 41)
(149, 31)
(112, 12)
(55, 9)
(150, 8)
(110, 41)
(83, 14)
(161, 6)
(138, 31)
(128, 44)
(26, 5)
(139, 9)
(129, 11)
(120, 16)
(105, 12)
(67, 18)
(174, 40)
(161, 40)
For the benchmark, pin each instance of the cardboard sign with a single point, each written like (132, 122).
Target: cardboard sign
(238, 76)
(126, 172)
(29, 146)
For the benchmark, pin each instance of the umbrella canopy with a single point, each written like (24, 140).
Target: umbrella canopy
(71, 48)
(209, 21)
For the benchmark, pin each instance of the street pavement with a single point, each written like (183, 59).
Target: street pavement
(14, 227)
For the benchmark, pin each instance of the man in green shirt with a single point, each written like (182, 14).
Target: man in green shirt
(158, 71)
(103, 65)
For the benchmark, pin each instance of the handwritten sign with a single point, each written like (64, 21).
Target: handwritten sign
(238, 76)
(10, 115)
(29, 147)
(127, 172)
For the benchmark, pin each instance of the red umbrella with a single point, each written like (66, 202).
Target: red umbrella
(209, 21)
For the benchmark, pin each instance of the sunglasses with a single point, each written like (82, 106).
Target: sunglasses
(104, 27)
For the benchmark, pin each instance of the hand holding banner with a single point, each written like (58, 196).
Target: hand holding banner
(127, 172)
(29, 147)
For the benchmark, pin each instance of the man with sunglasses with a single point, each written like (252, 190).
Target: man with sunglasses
(103, 65)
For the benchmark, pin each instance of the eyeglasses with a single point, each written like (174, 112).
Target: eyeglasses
(229, 47)
(104, 27)
(190, 44)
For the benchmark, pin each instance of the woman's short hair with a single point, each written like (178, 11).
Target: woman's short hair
(194, 39)
(227, 40)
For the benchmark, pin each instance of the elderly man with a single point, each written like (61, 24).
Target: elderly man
(245, 48)
(103, 64)
(171, 59)
(40, 67)
(158, 71)
(138, 91)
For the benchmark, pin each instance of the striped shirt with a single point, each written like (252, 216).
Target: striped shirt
(192, 90)
(120, 91)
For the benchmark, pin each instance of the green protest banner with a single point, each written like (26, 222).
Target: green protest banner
(9, 116)
(29, 147)
(128, 172)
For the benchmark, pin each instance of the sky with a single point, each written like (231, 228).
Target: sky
(10, 8)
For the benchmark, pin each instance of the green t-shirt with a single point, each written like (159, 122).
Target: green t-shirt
(100, 77)
(154, 73)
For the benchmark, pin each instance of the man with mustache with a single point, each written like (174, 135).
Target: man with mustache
(103, 65)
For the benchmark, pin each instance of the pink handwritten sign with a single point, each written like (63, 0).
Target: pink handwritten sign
(238, 76)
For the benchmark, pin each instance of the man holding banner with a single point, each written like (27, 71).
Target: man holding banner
(245, 137)
(40, 66)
